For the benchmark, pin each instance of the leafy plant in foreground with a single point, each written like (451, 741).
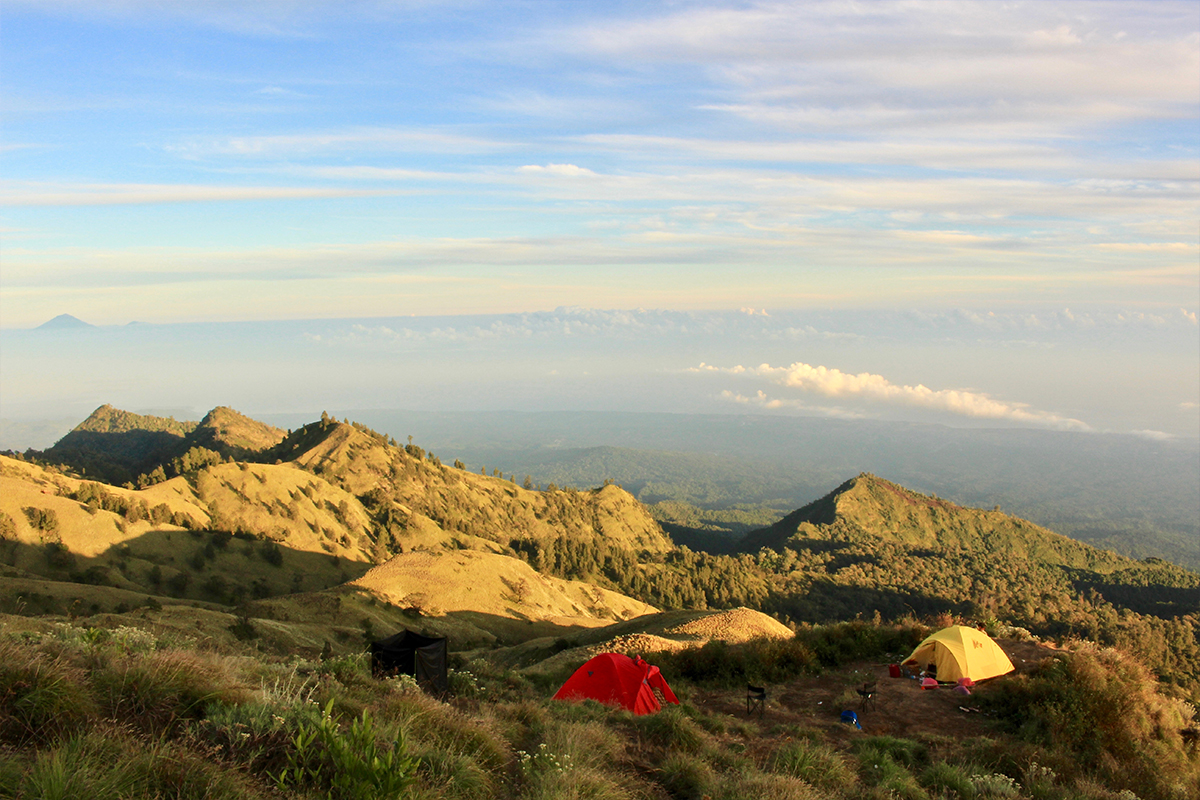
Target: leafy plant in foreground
(348, 765)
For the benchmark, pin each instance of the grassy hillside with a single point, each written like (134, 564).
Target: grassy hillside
(116, 446)
(121, 447)
(232, 434)
(1134, 495)
(347, 500)
(215, 719)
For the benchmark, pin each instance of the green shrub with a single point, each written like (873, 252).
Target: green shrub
(347, 765)
(1099, 712)
(430, 724)
(586, 744)
(580, 784)
(743, 785)
(907, 752)
(42, 519)
(757, 661)
(109, 765)
(73, 770)
(995, 786)
(884, 763)
(463, 683)
(453, 775)
(349, 670)
(857, 640)
(8, 527)
(165, 769)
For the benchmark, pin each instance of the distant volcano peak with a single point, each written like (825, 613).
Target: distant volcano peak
(63, 321)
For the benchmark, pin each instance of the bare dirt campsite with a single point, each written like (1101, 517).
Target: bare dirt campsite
(900, 707)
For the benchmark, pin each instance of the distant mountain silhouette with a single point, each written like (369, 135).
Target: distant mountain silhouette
(64, 322)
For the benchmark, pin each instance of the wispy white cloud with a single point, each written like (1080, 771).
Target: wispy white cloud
(873, 388)
(43, 194)
(760, 400)
(559, 170)
(358, 140)
(985, 59)
(992, 148)
(287, 19)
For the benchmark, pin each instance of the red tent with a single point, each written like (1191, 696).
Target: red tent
(618, 680)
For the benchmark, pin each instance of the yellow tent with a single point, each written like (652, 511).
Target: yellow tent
(961, 652)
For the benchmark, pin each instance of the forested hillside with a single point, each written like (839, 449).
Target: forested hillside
(1133, 494)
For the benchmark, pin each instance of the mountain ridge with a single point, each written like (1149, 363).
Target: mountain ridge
(333, 502)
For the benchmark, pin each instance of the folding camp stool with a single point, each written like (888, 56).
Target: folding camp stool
(867, 694)
(756, 698)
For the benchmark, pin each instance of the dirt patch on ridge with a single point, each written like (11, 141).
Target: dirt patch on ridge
(734, 626)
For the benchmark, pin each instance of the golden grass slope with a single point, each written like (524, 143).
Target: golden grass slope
(458, 501)
(442, 582)
(318, 532)
(287, 505)
(228, 431)
(735, 626)
(24, 485)
(326, 536)
(270, 501)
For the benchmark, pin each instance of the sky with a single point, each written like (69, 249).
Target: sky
(973, 212)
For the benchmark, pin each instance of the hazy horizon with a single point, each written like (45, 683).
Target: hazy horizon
(1054, 370)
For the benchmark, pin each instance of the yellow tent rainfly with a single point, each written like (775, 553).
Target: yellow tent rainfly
(961, 652)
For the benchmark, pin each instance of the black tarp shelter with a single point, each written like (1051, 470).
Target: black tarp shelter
(411, 653)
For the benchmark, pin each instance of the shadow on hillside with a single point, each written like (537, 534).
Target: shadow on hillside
(827, 601)
(703, 540)
(211, 566)
(115, 458)
(1158, 601)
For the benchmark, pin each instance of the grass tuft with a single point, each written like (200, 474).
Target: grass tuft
(812, 763)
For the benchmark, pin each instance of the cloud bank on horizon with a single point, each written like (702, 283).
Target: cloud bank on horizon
(1066, 369)
(973, 169)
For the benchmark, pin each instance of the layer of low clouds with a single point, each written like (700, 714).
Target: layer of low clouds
(871, 388)
(1061, 368)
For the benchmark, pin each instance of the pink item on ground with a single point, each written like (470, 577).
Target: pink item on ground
(929, 683)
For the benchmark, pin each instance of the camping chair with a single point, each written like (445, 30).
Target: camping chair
(867, 694)
(756, 698)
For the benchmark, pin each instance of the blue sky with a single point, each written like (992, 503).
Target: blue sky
(181, 162)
